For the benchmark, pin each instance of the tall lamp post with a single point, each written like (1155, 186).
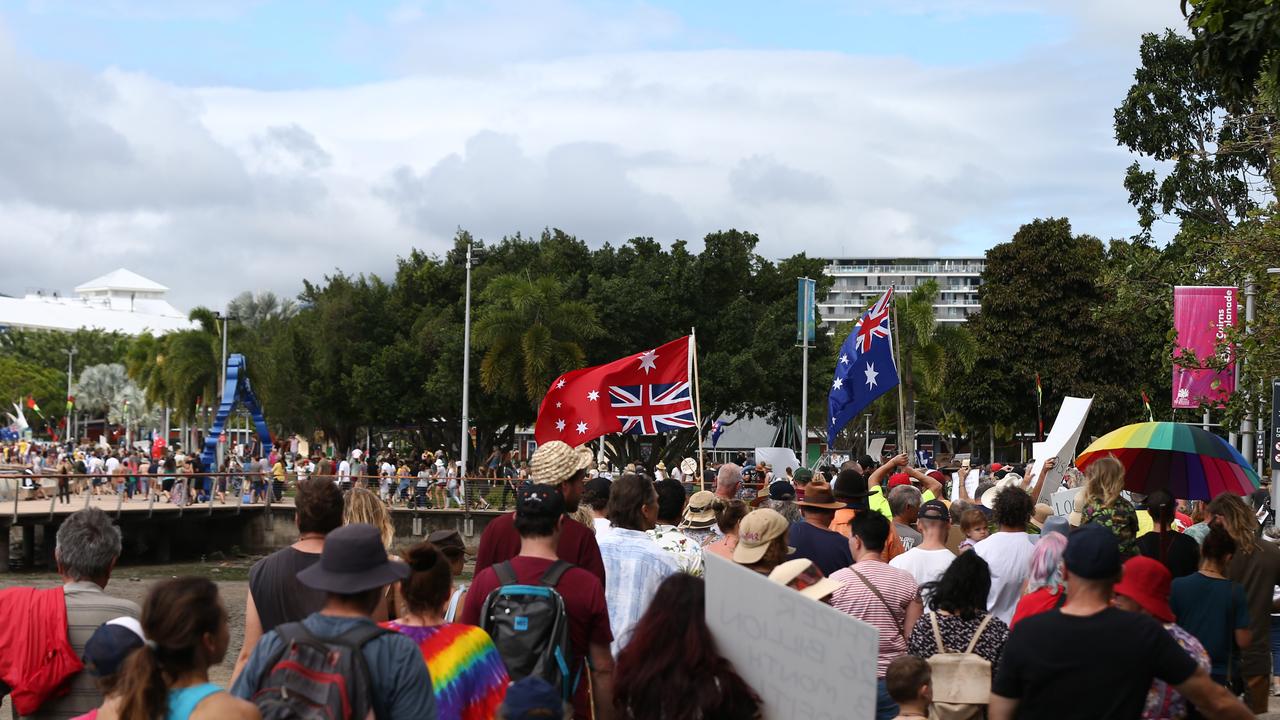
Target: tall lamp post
(71, 428)
(1271, 449)
(466, 387)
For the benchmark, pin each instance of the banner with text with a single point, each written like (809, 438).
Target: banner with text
(1201, 316)
(806, 311)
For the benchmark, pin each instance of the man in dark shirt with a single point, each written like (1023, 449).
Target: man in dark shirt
(558, 465)
(812, 539)
(275, 595)
(539, 521)
(1089, 660)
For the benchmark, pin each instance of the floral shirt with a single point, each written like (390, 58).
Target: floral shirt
(1163, 702)
(1120, 518)
(687, 551)
(704, 536)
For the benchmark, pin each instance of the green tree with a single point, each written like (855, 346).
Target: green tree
(256, 310)
(1213, 163)
(1235, 43)
(20, 379)
(530, 333)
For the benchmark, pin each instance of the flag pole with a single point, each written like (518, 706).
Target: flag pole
(902, 403)
(697, 401)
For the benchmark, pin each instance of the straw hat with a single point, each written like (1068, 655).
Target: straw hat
(554, 462)
(700, 512)
(1041, 514)
(661, 466)
(989, 497)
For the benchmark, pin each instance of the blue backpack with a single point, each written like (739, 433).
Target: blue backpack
(530, 628)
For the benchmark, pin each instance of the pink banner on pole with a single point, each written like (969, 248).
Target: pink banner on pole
(1201, 316)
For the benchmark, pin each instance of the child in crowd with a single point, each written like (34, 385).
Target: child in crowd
(974, 524)
(910, 684)
(104, 656)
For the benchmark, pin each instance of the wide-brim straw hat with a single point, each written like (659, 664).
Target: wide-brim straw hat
(989, 497)
(555, 461)
(700, 513)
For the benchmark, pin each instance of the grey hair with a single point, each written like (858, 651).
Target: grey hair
(728, 475)
(957, 509)
(88, 543)
(903, 497)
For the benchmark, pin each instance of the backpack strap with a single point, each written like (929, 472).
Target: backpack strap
(506, 573)
(978, 633)
(937, 634)
(553, 574)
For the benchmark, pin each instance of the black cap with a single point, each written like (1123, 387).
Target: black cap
(1093, 553)
(934, 510)
(533, 500)
(781, 490)
(353, 560)
(598, 487)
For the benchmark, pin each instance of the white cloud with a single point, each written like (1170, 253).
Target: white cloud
(213, 191)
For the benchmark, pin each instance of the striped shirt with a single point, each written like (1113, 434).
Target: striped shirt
(467, 674)
(634, 567)
(87, 608)
(854, 598)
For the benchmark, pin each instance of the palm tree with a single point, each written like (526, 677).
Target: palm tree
(530, 334)
(930, 354)
(256, 309)
(99, 387)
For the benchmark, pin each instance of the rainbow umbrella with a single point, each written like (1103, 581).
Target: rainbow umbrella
(1188, 462)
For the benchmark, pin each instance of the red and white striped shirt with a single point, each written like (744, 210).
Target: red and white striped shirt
(855, 598)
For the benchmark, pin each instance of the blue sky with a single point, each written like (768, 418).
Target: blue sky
(259, 135)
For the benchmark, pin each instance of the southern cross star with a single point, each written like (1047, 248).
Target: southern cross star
(560, 426)
(560, 384)
(647, 361)
(839, 383)
(582, 428)
(871, 375)
(593, 395)
(844, 358)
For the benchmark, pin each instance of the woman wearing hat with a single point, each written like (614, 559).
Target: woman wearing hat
(762, 541)
(700, 518)
(1144, 589)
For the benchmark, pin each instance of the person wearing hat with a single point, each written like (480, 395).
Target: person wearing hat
(104, 656)
(805, 577)
(780, 495)
(454, 549)
(812, 538)
(532, 698)
(762, 541)
(557, 465)
(1110, 654)
(353, 572)
(1144, 589)
(700, 518)
(900, 472)
(851, 488)
(801, 479)
(540, 520)
(927, 561)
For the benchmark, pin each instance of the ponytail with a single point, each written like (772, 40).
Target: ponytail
(142, 689)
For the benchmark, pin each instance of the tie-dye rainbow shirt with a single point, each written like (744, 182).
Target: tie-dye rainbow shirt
(467, 673)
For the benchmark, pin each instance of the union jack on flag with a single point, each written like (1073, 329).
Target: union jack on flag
(874, 323)
(652, 409)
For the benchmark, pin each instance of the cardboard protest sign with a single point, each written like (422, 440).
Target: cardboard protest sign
(1064, 501)
(1061, 443)
(805, 659)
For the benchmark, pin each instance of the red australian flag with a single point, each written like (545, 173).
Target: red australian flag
(644, 393)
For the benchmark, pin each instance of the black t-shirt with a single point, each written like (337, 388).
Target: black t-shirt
(827, 549)
(1100, 666)
(1181, 553)
(277, 594)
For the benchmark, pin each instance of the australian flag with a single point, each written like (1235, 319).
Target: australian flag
(865, 369)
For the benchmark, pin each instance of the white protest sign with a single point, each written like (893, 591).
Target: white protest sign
(874, 449)
(1061, 443)
(805, 659)
(970, 483)
(1064, 501)
(778, 458)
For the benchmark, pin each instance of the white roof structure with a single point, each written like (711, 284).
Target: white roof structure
(120, 301)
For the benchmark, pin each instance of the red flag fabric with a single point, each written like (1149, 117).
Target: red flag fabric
(644, 394)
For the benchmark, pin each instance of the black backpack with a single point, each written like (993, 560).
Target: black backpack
(316, 678)
(530, 627)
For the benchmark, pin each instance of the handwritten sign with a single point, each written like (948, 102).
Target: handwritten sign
(1064, 501)
(1061, 443)
(805, 659)
(970, 482)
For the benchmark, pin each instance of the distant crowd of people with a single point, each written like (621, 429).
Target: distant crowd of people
(589, 601)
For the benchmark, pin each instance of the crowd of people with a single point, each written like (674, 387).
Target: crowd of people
(589, 601)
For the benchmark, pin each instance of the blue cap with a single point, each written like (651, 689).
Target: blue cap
(1093, 553)
(532, 698)
(110, 645)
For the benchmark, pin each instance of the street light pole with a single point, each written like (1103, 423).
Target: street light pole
(466, 387)
(71, 430)
(1248, 448)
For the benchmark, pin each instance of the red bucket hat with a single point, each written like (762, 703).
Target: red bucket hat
(1146, 581)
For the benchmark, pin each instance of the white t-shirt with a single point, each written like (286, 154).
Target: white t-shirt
(344, 470)
(924, 565)
(1009, 556)
(112, 464)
